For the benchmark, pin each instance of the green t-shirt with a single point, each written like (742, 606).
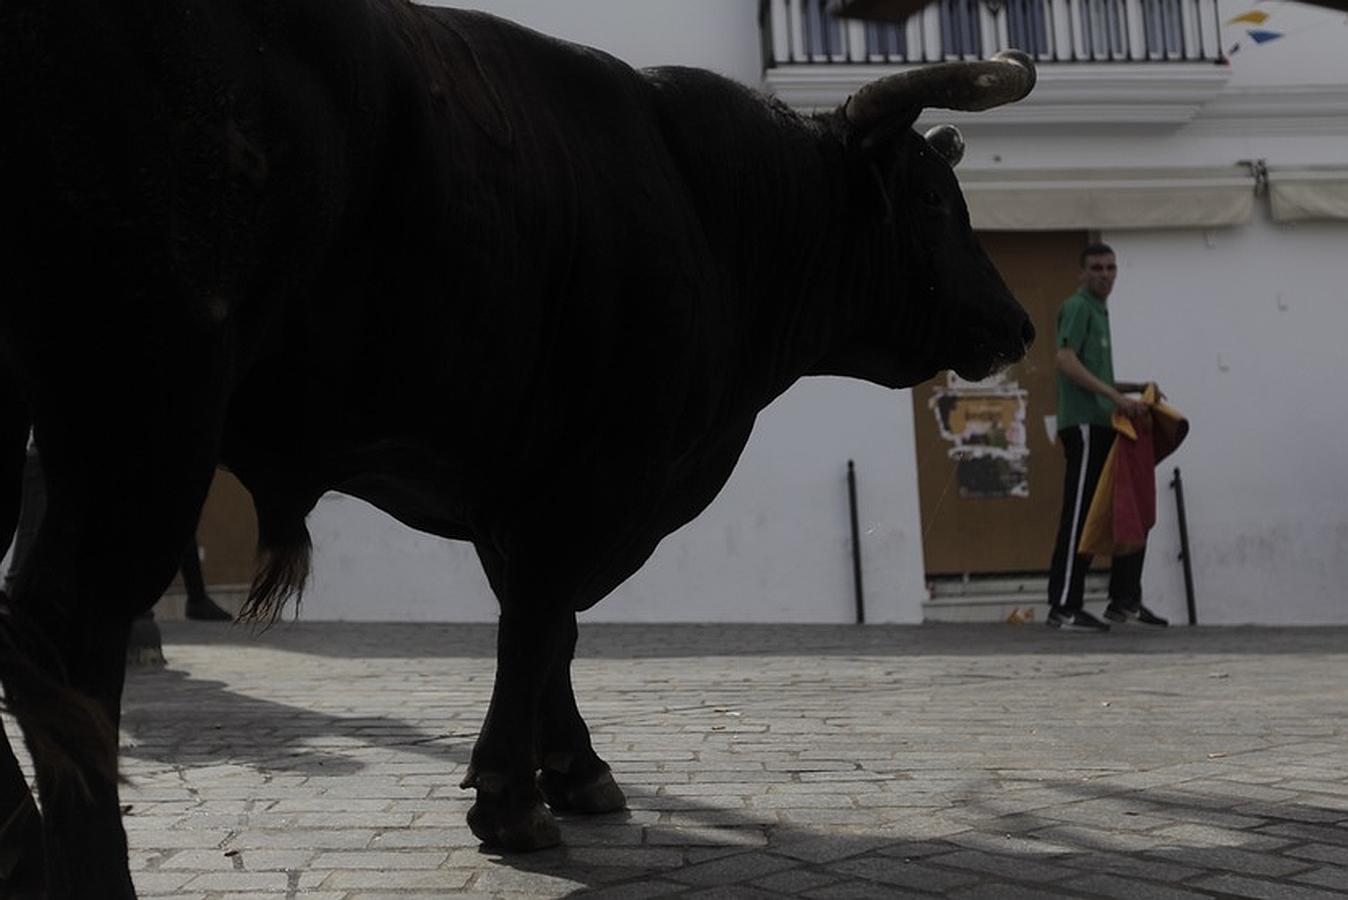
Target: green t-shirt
(1083, 325)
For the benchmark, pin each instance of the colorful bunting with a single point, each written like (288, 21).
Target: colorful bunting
(1263, 37)
(1254, 17)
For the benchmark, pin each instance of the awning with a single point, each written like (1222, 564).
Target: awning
(1043, 200)
(1297, 195)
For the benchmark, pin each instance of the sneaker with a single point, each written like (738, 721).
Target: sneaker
(1074, 620)
(1139, 614)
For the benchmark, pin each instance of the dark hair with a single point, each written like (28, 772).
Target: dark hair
(1094, 250)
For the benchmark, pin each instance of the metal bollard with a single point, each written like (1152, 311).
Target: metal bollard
(856, 542)
(1184, 555)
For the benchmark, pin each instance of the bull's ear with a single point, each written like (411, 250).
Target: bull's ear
(947, 141)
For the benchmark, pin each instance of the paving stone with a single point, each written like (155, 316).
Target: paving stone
(862, 890)
(710, 836)
(423, 895)
(1320, 852)
(252, 882)
(640, 890)
(736, 892)
(732, 869)
(1304, 832)
(153, 883)
(874, 762)
(380, 859)
(631, 857)
(1231, 859)
(821, 848)
(1128, 888)
(1208, 836)
(197, 860)
(915, 875)
(326, 839)
(1333, 877)
(376, 879)
(794, 881)
(1239, 886)
(1010, 867)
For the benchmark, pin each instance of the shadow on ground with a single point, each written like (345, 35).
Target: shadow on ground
(1172, 831)
(1194, 849)
(173, 718)
(610, 641)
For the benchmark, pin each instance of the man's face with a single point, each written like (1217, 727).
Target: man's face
(1098, 274)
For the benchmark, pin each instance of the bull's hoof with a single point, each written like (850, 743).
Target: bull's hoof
(597, 793)
(517, 829)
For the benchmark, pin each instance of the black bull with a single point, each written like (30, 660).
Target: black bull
(505, 288)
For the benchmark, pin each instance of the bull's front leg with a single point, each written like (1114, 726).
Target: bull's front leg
(572, 776)
(509, 812)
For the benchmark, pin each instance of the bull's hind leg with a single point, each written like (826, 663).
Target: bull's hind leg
(20, 825)
(128, 462)
(107, 549)
(573, 777)
(20, 831)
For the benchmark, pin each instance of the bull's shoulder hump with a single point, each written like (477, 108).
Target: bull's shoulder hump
(708, 101)
(453, 49)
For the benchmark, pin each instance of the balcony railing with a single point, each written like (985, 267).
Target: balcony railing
(1053, 31)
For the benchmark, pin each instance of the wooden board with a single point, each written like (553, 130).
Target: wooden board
(979, 517)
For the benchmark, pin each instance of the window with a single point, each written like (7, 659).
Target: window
(886, 42)
(823, 31)
(1026, 27)
(960, 36)
(1164, 27)
(1104, 28)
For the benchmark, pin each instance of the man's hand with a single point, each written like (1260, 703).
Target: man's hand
(1130, 407)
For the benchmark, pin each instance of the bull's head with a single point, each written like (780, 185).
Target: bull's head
(945, 305)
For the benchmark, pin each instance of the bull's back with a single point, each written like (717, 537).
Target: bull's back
(551, 257)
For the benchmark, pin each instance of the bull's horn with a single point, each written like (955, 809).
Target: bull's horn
(947, 141)
(971, 86)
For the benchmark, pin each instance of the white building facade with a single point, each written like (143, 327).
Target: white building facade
(1220, 177)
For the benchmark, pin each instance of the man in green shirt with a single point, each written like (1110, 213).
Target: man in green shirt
(1087, 398)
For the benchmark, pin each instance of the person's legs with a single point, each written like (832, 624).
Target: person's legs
(200, 606)
(1085, 448)
(1125, 580)
(1060, 568)
(1125, 592)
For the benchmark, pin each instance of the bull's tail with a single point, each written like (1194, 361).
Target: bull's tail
(285, 550)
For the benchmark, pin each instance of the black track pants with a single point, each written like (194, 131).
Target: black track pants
(1086, 447)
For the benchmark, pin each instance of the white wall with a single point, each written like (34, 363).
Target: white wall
(775, 545)
(1244, 328)
(1310, 51)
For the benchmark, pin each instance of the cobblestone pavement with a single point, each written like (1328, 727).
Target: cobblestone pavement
(322, 760)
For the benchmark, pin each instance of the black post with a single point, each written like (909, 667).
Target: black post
(856, 542)
(1178, 485)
